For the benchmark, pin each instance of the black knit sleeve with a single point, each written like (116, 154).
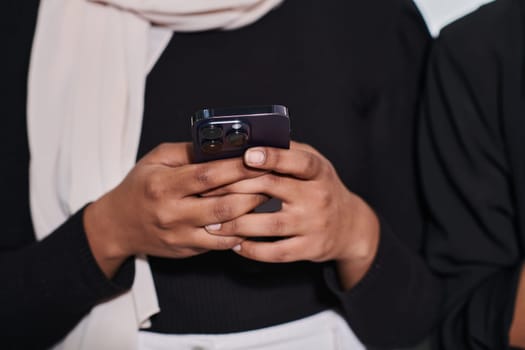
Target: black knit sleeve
(473, 240)
(50, 285)
(397, 303)
(47, 286)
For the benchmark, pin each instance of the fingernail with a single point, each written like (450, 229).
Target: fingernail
(237, 248)
(255, 157)
(213, 227)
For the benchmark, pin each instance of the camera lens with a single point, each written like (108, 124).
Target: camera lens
(237, 138)
(211, 146)
(211, 132)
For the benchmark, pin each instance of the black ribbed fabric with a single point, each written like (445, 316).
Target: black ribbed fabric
(349, 72)
(222, 293)
(44, 283)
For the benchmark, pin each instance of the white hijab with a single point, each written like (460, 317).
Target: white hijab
(87, 77)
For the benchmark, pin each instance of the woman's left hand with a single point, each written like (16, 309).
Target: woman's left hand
(320, 219)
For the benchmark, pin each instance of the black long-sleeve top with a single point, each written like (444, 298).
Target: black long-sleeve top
(349, 72)
(472, 156)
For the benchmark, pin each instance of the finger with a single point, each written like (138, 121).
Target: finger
(212, 210)
(295, 162)
(203, 177)
(257, 225)
(273, 185)
(170, 154)
(203, 239)
(282, 251)
(196, 242)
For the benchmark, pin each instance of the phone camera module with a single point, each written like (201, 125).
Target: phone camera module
(237, 137)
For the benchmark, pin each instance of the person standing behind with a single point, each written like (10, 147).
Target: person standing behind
(472, 159)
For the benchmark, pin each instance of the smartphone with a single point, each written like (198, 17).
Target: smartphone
(220, 133)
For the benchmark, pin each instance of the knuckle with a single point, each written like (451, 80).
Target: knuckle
(278, 226)
(222, 212)
(273, 157)
(224, 243)
(155, 186)
(240, 168)
(325, 224)
(325, 199)
(273, 180)
(260, 199)
(163, 219)
(230, 227)
(251, 251)
(202, 176)
(322, 197)
(169, 240)
(311, 162)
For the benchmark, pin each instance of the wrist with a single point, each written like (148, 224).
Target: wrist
(364, 232)
(356, 259)
(108, 250)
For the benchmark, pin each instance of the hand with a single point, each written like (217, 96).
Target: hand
(157, 210)
(320, 219)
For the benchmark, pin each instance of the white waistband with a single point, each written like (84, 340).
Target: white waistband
(326, 330)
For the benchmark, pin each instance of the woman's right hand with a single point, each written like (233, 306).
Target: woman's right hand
(157, 209)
